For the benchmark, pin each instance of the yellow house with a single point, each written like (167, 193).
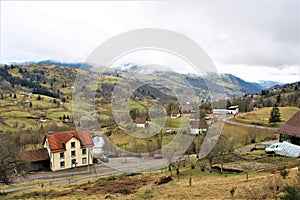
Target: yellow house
(69, 149)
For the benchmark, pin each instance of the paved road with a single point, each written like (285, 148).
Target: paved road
(227, 120)
(114, 167)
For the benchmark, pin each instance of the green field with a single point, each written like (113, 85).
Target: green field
(261, 116)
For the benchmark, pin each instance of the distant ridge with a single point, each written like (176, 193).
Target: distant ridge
(52, 62)
(268, 84)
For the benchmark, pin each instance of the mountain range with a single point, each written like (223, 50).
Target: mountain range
(234, 86)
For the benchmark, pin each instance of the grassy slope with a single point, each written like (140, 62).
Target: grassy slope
(261, 116)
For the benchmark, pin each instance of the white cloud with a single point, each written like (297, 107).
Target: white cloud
(261, 35)
(285, 74)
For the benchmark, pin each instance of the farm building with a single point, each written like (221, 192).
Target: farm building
(290, 131)
(141, 122)
(230, 110)
(175, 114)
(38, 159)
(199, 127)
(186, 109)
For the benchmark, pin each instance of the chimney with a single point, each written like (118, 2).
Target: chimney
(50, 133)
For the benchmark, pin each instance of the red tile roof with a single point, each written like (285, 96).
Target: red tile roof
(291, 127)
(199, 125)
(174, 112)
(140, 120)
(186, 108)
(35, 155)
(57, 140)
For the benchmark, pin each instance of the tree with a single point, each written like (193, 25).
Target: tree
(172, 105)
(30, 104)
(10, 162)
(218, 153)
(15, 96)
(274, 116)
(278, 99)
(39, 97)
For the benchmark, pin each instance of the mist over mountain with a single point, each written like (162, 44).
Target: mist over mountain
(233, 85)
(268, 84)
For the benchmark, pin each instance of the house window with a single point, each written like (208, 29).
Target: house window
(73, 162)
(62, 155)
(62, 164)
(83, 152)
(72, 145)
(83, 160)
(73, 154)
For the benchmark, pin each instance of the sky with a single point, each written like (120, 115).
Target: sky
(254, 40)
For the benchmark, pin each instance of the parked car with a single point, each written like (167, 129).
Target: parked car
(104, 159)
(273, 148)
(157, 156)
(170, 132)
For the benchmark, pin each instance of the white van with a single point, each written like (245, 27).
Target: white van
(273, 148)
(284, 149)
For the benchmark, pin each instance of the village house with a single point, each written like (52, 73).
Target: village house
(69, 149)
(186, 109)
(199, 127)
(233, 110)
(175, 114)
(230, 110)
(290, 131)
(141, 122)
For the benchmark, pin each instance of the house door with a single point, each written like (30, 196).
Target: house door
(73, 163)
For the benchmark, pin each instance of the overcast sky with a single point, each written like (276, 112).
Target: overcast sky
(254, 39)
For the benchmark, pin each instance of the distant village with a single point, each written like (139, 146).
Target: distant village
(71, 149)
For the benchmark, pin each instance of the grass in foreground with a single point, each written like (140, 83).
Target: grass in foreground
(143, 186)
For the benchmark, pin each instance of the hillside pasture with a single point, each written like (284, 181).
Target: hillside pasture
(261, 116)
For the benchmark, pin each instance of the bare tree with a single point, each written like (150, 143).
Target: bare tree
(247, 167)
(220, 150)
(10, 162)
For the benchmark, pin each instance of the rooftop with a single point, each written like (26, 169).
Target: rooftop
(292, 126)
(140, 120)
(35, 155)
(199, 125)
(57, 140)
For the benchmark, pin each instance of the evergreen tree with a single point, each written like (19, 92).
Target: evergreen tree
(278, 99)
(274, 116)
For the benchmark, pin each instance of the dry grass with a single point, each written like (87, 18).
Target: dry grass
(259, 186)
(261, 116)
